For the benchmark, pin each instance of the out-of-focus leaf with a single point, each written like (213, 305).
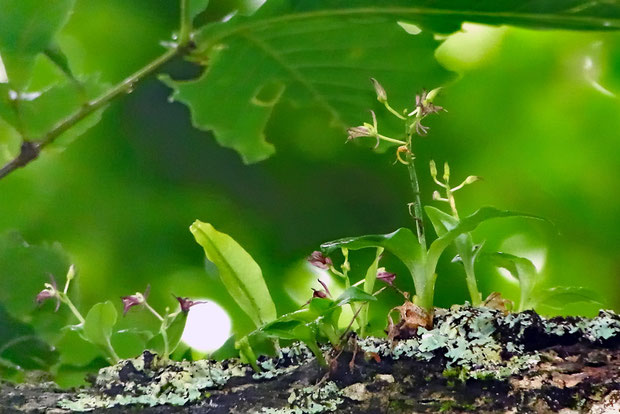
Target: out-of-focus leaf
(39, 112)
(75, 351)
(240, 274)
(20, 344)
(24, 268)
(98, 324)
(558, 297)
(27, 28)
(521, 269)
(196, 7)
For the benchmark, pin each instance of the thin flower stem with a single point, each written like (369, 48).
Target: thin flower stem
(417, 202)
(153, 311)
(388, 139)
(394, 111)
(110, 349)
(65, 299)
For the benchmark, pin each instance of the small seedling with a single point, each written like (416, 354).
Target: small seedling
(97, 327)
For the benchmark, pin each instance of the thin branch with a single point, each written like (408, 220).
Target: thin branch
(30, 150)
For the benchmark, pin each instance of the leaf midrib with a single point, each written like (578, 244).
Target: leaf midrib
(234, 273)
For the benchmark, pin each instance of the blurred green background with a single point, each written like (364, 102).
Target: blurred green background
(533, 112)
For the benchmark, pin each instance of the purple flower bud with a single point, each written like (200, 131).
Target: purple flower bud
(357, 132)
(135, 300)
(318, 294)
(386, 277)
(50, 291)
(187, 303)
(319, 260)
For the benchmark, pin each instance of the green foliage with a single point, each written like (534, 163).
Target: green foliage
(313, 57)
(238, 271)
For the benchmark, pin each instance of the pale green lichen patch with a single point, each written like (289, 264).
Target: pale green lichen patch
(484, 343)
(316, 399)
(288, 359)
(147, 381)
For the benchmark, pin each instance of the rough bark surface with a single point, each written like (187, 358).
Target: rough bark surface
(566, 365)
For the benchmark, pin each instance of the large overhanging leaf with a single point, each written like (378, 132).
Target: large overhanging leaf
(320, 54)
(310, 54)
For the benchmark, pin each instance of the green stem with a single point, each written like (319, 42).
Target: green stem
(472, 285)
(114, 356)
(185, 25)
(393, 111)
(388, 139)
(65, 299)
(417, 202)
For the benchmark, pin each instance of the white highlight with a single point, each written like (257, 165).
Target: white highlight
(3, 77)
(207, 327)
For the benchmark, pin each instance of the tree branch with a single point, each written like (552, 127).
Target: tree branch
(30, 150)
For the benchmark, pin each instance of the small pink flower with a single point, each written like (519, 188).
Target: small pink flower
(135, 299)
(385, 276)
(187, 303)
(50, 291)
(319, 260)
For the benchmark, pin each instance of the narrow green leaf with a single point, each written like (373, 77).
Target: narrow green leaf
(27, 28)
(240, 274)
(99, 322)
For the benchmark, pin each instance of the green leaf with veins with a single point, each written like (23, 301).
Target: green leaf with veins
(27, 28)
(240, 274)
(318, 59)
(322, 53)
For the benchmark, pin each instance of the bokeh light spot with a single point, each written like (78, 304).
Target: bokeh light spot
(207, 327)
